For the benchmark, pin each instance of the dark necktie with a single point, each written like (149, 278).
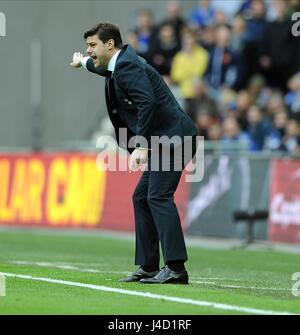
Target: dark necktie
(109, 89)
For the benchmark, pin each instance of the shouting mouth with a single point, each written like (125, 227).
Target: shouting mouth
(94, 58)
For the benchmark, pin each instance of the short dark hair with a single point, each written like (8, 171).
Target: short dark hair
(105, 32)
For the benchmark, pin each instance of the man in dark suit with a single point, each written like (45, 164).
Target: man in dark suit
(138, 100)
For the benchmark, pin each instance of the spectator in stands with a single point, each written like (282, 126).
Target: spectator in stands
(258, 128)
(223, 69)
(245, 8)
(225, 97)
(275, 104)
(233, 137)
(258, 92)
(291, 140)
(214, 132)
(255, 32)
(280, 48)
(132, 39)
(256, 23)
(243, 101)
(292, 99)
(175, 18)
(238, 36)
(145, 32)
(231, 110)
(220, 18)
(203, 15)
(163, 50)
(189, 65)
(238, 46)
(204, 121)
(207, 37)
(229, 8)
(202, 101)
(275, 138)
(237, 107)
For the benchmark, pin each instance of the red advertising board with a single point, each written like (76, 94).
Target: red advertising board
(69, 190)
(284, 222)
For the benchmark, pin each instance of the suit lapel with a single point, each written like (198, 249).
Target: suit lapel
(107, 97)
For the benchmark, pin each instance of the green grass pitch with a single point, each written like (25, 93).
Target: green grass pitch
(238, 279)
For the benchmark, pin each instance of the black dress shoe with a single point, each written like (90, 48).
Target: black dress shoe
(138, 275)
(168, 276)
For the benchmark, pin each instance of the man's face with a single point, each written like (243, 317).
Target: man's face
(100, 52)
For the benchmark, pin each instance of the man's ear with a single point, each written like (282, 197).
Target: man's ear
(111, 44)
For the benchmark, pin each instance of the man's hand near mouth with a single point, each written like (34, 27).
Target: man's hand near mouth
(76, 62)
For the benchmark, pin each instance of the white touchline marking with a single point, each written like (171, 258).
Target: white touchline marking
(240, 286)
(151, 295)
(72, 266)
(49, 263)
(194, 280)
(67, 267)
(76, 265)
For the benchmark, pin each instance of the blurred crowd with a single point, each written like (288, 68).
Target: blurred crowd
(237, 67)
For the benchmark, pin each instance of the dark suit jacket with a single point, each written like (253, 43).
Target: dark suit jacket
(142, 102)
(229, 67)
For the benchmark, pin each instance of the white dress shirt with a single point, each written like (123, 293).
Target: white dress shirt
(112, 62)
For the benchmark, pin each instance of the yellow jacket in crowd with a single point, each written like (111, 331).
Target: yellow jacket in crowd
(186, 68)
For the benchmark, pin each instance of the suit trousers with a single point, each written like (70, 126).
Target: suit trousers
(156, 216)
